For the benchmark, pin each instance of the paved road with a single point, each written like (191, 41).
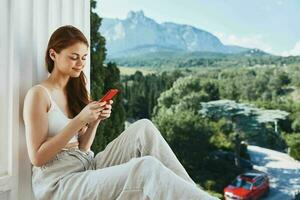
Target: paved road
(283, 171)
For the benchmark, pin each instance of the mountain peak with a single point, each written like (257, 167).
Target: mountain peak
(138, 32)
(136, 15)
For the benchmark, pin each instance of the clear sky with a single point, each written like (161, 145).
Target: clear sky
(270, 25)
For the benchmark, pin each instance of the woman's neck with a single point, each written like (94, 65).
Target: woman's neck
(58, 81)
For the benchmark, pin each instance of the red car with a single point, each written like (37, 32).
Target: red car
(248, 186)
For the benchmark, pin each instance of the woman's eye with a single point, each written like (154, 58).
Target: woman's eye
(73, 58)
(76, 58)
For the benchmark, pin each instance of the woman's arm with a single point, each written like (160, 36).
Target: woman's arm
(35, 118)
(50, 148)
(87, 138)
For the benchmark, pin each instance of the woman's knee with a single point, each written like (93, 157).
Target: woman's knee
(148, 162)
(145, 122)
(148, 126)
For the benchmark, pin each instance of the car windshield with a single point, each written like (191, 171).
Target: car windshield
(242, 183)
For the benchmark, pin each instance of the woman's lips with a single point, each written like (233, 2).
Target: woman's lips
(78, 70)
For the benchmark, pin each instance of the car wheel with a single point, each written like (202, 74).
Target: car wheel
(266, 193)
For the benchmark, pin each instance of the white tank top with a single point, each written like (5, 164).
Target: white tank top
(57, 120)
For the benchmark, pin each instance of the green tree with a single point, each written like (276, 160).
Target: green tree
(293, 141)
(191, 137)
(98, 53)
(247, 120)
(296, 124)
(102, 79)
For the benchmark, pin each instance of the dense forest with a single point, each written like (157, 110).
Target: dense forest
(171, 60)
(173, 99)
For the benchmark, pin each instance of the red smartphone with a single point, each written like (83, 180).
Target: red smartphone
(109, 95)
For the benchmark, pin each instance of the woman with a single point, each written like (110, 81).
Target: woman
(61, 122)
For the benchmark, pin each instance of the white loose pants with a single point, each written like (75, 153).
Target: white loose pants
(137, 165)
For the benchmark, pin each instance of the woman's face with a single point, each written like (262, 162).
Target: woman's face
(70, 61)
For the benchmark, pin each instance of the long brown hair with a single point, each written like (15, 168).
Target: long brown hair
(62, 38)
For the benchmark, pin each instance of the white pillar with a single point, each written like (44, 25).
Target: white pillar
(25, 29)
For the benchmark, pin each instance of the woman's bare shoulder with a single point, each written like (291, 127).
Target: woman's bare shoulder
(37, 94)
(35, 91)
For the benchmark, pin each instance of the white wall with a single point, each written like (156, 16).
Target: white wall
(26, 26)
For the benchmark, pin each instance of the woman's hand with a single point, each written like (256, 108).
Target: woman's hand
(82, 130)
(105, 113)
(91, 111)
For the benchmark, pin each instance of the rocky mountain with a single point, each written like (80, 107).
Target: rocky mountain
(139, 34)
